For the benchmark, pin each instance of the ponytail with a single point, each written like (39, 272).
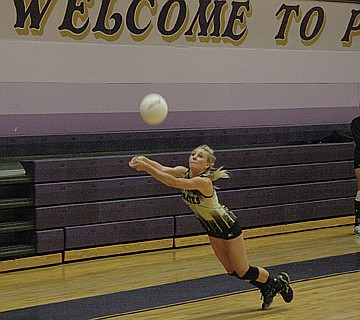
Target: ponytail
(212, 173)
(217, 174)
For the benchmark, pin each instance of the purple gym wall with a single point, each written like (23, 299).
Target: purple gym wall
(51, 83)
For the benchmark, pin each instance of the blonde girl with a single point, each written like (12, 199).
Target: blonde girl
(225, 233)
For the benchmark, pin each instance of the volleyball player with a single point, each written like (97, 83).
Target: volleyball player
(225, 233)
(355, 129)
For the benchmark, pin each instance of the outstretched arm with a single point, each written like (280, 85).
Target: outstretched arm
(178, 171)
(203, 184)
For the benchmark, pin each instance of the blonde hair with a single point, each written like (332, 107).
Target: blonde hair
(213, 173)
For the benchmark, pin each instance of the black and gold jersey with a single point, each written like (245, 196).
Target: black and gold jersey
(216, 219)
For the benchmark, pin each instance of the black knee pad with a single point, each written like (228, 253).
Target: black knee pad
(234, 274)
(357, 207)
(252, 274)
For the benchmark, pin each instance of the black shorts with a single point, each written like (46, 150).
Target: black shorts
(231, 233)
(355, 130)
(357, 158)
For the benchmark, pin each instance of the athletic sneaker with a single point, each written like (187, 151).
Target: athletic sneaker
(286, 291)
(357, 230)
(279, 284)
(267, 294)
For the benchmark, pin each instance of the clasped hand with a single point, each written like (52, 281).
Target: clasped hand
(137, 163)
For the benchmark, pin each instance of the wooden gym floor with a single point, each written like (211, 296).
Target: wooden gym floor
(189, 283)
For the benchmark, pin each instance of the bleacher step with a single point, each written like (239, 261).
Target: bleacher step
(16, 226)
(15, 176)
(15, 203)
(16, 251)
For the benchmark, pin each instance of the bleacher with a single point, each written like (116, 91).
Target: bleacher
(81, 200)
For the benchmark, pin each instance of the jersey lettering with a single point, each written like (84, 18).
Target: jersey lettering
(190, 197)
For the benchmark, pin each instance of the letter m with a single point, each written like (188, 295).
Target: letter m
(33, 12)
(204, 23)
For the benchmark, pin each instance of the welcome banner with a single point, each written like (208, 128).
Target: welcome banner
(268, 24)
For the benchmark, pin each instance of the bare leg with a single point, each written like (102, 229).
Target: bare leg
(232, 255)
(357, 203)
(221, 252)
(357, 174)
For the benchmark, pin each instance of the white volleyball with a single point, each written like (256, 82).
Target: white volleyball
(153, 109)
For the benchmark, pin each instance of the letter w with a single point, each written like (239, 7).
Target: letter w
(33, 11)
